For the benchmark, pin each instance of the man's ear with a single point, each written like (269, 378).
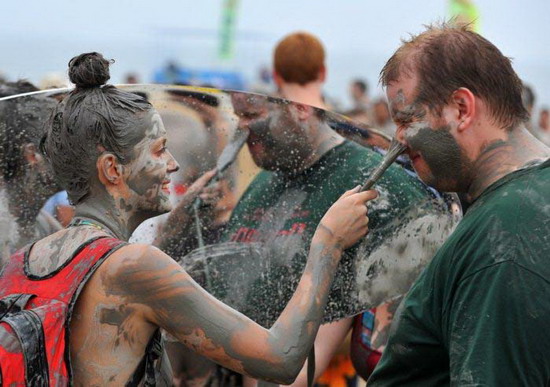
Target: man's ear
(464, 104)
(322, 74)
(31, 154)
(277, 79)
(109, 169)
(303, 111)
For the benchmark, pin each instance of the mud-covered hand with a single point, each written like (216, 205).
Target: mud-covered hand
(346, 220)
(175, 229)
(212, 193)
(198, 188)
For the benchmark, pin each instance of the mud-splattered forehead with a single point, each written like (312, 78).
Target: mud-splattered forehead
(154, 127)
(402, 96)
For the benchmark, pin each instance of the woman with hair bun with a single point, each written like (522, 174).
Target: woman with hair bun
(108, 150)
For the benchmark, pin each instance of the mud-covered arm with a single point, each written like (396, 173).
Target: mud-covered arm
(174, 302)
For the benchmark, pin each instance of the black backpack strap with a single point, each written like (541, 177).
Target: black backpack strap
(146, 370)
(13, 303)
(311, 367)
(30, 333)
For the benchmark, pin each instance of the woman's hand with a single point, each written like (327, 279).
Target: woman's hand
(346, 221)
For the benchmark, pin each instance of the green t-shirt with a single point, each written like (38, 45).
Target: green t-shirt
(277, 209)
(480, 312)
(282, 213)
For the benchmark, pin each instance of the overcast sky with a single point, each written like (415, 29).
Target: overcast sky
(40, 36)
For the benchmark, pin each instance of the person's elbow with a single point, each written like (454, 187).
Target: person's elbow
(283, 372)
(291, 374)
(290, 368)
(285, 375)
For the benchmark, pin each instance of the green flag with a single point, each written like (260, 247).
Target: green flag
(227, 28)
(465, 12)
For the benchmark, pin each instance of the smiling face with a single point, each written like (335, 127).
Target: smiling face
(430, 137)
(148, 174)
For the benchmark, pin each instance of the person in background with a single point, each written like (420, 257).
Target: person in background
(27, 179)
(318, 167)
(59, 207)
(528, 97)
(264, 82)
(543, 130)
(361, 110)
(381, 119)
(299, 70)
(478, 313)
(132, 79)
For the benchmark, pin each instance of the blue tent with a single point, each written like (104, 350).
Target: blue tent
(220, 79)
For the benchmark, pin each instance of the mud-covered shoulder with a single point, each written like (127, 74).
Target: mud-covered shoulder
(142, 274)
(130, 265)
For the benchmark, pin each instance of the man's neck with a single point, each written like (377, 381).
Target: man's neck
(326, 140)
(500, 157)
(309, 94)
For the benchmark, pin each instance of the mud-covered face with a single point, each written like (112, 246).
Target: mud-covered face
(278, 141)
(431, 143)
(148, 174)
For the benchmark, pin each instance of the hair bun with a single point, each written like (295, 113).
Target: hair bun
(89, 70)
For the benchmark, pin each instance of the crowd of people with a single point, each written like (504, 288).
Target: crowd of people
(122, 313)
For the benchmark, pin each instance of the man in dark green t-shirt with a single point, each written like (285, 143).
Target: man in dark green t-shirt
(279, 207)
(479, 313)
